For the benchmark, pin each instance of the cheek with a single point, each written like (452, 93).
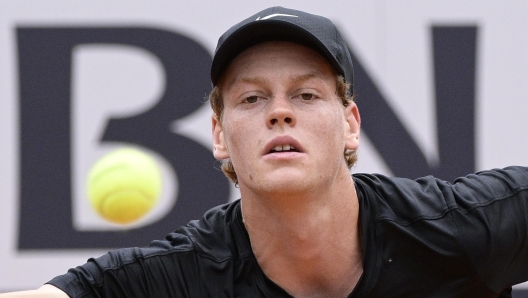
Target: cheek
(331, 131)
(237, 133)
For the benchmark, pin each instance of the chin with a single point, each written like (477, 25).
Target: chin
(282, 185)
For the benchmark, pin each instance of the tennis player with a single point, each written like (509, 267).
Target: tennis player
(287, 129)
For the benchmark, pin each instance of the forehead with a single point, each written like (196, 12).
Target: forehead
(279, 56)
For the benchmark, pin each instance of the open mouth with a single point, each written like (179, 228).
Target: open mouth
(283, 148)
(283, 145)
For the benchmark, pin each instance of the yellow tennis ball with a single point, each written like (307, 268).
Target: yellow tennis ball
(124, 185)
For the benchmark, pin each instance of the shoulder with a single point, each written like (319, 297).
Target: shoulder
(431, 225)
(432, 198)
(400, 199)
(219, 234)
(201, 255)
(209, 240)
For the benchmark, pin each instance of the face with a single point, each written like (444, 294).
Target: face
(283, 126)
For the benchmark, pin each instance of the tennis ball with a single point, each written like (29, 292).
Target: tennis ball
(124, 185)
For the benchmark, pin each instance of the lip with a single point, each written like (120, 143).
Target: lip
(282, 140)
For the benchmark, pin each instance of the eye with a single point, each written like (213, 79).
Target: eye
(307, 96)
(252, 99)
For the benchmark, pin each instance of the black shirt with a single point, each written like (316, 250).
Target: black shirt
(421, 238)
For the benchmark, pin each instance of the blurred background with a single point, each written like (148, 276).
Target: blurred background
(441, 89)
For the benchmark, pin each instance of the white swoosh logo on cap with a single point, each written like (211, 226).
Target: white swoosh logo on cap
(275, 15)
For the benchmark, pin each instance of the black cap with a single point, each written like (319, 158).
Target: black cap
(279, 23)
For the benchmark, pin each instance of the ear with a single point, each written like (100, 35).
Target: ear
(353, 129)
(219, 145)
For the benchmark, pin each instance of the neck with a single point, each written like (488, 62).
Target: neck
(307, 239)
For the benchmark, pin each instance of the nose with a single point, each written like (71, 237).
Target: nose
(281, 112)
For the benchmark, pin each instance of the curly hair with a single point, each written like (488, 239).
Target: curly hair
(217, 105)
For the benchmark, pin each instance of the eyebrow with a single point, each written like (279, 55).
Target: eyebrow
(260, 80)
(306, 77)
(250, 80)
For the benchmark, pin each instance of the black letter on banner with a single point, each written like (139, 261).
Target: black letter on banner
(45, 57)
(454, 64)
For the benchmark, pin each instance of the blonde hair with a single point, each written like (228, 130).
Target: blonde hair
(217, 105)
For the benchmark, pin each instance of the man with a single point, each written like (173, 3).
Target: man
(287, 129)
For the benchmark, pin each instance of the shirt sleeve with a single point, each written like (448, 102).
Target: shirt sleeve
(161, 270)
(490, 210)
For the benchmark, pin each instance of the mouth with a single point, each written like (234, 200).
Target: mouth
(283, 144)
(284, 148)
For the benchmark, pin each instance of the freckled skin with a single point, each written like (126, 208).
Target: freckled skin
(278, 72)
